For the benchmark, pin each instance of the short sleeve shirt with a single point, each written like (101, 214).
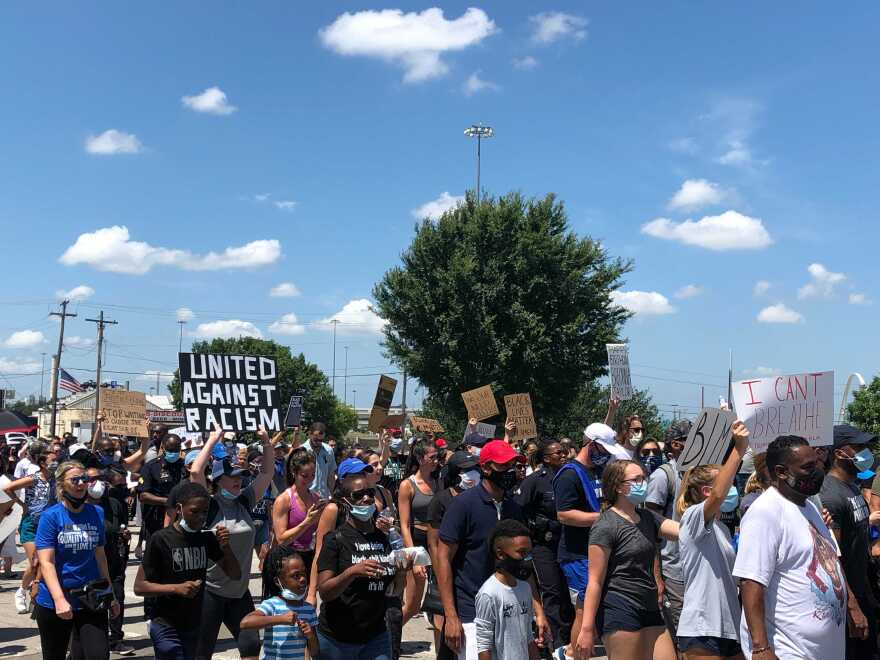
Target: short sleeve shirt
(658, 493)
(439, 504)
(286, 642)
(158, 477)
(849, 514)
(538, 501)
(569, 495)
(235, 516)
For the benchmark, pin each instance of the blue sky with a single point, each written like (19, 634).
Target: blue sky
(246, 146)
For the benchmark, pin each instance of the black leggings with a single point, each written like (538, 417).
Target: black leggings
(228, 611)
(89, 634)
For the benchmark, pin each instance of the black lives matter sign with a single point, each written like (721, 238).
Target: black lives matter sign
(236, 392)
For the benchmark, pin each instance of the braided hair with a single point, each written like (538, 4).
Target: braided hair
(272, 566)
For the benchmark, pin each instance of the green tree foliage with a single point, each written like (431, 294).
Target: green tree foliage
(295, 376)
(864, 411)
(591, 405)
(502, 293)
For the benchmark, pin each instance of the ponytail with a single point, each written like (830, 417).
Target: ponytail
(694, 479)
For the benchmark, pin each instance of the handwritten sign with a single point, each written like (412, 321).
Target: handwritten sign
(293, 418)
(798, 404)
(618, 370)
(709, 439)
(382, 403)
(124, 413)
(519, 411)
(486, 430)
(393, 421)
(426, 424)
(480, 403)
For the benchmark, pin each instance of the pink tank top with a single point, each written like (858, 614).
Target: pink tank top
(295, 515)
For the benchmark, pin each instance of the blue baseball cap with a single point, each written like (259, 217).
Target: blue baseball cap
(866, 474)
(352, 466)
(191, 456)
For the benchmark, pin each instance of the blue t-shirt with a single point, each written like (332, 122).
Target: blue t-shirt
(286, 642)
(74, 538)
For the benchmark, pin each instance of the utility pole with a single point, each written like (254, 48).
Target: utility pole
(42, 374)
(345, 385)
(403, 404)
(180, 343)
(335, 322)
(100, 323)
(63, 314)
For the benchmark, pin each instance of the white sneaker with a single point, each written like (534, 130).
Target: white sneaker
(21, 600)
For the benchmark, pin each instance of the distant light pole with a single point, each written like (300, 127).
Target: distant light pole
(481, 133)
(345, 387)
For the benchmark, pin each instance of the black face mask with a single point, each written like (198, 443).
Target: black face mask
(521, 569)
(599, 459)
(119, 491)
(77, 502)
(506, 481)
(808, 485)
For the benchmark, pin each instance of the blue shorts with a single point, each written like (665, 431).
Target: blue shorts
(27, 529)
(576, 575)
(714, 645)
(617, 612)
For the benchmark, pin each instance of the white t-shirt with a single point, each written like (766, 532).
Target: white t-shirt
(790, 551)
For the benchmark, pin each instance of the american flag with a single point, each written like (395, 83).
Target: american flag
(68, 382)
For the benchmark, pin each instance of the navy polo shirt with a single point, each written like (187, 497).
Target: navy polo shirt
(468, 523)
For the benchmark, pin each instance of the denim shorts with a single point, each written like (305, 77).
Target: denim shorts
(576, 575)
(617, 612)
(714, 645)
(27, 529)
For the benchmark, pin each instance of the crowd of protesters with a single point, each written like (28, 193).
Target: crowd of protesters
(548, 548)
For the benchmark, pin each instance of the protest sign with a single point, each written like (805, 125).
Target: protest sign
(486, 430)
(426, 424)
(798, 404)
(618, 370)
(124, 413)
(708, 440)
(519, 411)
(382, 403)
(166, 416)
(393, 421)
(480, 403)
(236, 392)
(293, 418)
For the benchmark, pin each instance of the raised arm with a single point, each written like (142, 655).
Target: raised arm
(197, 471)
(261, 483)
(727, 473)
(134, 462)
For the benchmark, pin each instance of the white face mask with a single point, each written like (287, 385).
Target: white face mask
(470, 478)
(635, 439)
(96, 489)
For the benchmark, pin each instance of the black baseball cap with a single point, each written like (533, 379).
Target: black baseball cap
(475, 440)
(226, 467)
(847, 434)
(678, 430)
(462, 461)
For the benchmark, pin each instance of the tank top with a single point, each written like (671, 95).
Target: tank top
(295, 515)
(420, 503)
(37, 497)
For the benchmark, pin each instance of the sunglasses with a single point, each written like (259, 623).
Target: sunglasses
(362, 494)
(78, 481)
(650, 452)
(636, 429)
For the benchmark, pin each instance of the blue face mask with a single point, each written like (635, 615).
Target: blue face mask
(731, 501)
(637, 492)
(225, 493)
(287, 594)
(106, 459)
(651, 463)
(864, 460)
(185, 527)
(363, 512)
(599, 459)
(172, 456)
(476, 451)
(395, 444)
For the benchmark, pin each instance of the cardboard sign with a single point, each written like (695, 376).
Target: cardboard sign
(708, 440)
(480, 403)
(618, 371)
(486, 430)
(166, 416)
(293, 418)
(798, 404)
(519, 411)
(382, 403)
(393, 421)
(426, 424)
(236, 392)
(124, 413)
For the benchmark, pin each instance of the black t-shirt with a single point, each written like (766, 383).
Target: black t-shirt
(115, 515)
(569, 492)
(849, 513)
(173, 557)
(437, 507)
(158, 478)
(392, 473)
(538, 501)
(358, 614)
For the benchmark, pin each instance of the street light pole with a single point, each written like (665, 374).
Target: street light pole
(481, 133)
(335, 322)
(345, 385)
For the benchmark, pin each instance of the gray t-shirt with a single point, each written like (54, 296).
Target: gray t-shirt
(235, 516)
(504, 619)
(658, 493)
(711, 607)
(630, 571)
(325, 465)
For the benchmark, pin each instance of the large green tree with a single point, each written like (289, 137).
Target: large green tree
(295, 376)
(502, 292)
(864, 411)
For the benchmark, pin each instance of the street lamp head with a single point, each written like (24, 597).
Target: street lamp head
(479, 131)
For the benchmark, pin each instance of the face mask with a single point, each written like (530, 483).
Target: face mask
(808, 485)
(506, 481)
(363, 512)
(96, 489)
(651, 463)
(172, 456)
(476, 451)
(184, 526)
(637, 492)
(731, 501)
(469, 479)
(864, 460)
(77, 502)
(635, 438)
(52, 467)
(229, 496)
(518, 568)
(287, 594)
(395, 444)
(598, 458)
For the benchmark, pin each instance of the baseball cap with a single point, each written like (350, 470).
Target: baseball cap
(475, 440)
(678, 430)
(866, 474)
(462, 461)
(847, 434)
(352, 466)
(191, 456)
(498, 451)
(225, 467)
(440, 443)
(607, 438)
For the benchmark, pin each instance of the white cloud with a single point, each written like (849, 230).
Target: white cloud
(262, 197)
(688, 291)
(643, 303)
(112, 142)
(414, 41)
(284, 290)
(728, 231)
(779, 314)
(285, 205)
(762, 372)
(149, 376)
(694, 194)
(77, 293)
(111, 249)
(185, 314)
(735, 119)
(474, 85)
(437, 207)
(683, 145)
(858, 299)
(19, 367)
(78, 342)
(738, 153)
(821, 284)
(526, 63)
(761, 287)
(212, 101)
(553, 26)
(24, 339)
(356, 317)
(226, 330)
(287, 325)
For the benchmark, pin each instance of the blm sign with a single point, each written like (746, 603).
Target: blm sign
(236, 392)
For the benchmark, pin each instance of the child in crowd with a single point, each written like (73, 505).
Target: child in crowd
(504, 603)
(289, 621)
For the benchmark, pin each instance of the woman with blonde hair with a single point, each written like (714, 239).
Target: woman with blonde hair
(709, 625)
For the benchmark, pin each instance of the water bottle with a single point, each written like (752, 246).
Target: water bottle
(395, 539)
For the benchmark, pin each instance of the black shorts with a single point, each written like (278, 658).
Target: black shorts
(726, 648)
(617, 612)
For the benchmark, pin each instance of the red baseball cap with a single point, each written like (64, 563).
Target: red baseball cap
(440, 443)
(498, 451)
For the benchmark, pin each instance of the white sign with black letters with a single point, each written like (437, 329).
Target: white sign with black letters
(618, 371)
